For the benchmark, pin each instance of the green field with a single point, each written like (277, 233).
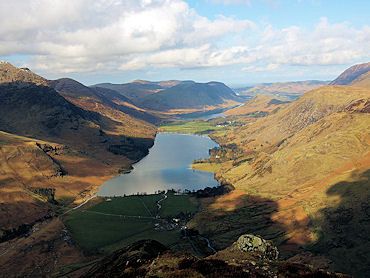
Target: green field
(197, 126)
(114, 224)
(130, 205)
(176, 204)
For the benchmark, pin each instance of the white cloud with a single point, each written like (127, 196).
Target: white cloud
(83, 32)
(111, 35)
(327, 44)
(269, 67)
(232, 2)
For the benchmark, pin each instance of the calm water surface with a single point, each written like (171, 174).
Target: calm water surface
(166, 166)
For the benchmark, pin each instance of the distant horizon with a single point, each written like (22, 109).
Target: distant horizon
(115, 80)
(232, 86)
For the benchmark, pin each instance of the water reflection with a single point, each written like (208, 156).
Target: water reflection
(166, 166)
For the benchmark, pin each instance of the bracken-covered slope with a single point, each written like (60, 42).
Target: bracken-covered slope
(353, 75)
(310, 162)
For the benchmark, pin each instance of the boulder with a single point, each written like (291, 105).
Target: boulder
(252, 243)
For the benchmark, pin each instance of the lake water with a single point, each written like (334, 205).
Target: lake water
(167, 166)
(205, 115)
(208, 117)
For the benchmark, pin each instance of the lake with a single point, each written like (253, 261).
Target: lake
(206, 115)
(167, 166)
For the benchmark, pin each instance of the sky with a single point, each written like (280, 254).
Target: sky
(238, 42)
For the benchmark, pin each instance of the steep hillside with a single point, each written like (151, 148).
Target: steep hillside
(309, 108)
(36, 175)
(187, 95)
(259, 105)
(353, 75)
(39, 111)
(307, 167)
(281, 90)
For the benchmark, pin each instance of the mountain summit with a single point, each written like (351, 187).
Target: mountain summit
(357, 75)
(10, 73)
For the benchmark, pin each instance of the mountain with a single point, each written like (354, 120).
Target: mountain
(190, 95)
(136, 89)
(259, 105)
(54, 152)
(39, 111)
(305, 169)
(357, 75)
(309, 108)
(106, 102)
(167, 95)
(281, 90)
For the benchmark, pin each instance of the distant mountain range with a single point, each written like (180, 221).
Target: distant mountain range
(281, 90)
(101, 100)
(167, 95)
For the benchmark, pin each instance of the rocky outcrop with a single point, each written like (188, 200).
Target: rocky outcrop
(129, 261)
(252, 243)
(149, 258)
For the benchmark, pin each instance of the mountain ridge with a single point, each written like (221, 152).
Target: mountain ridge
(173, 94)
(349, 76)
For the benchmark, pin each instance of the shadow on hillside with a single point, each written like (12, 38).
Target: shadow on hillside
(345, 228)
(234, 217)
(40, 112)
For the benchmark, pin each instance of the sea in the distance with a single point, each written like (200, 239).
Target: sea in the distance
(167, 166)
